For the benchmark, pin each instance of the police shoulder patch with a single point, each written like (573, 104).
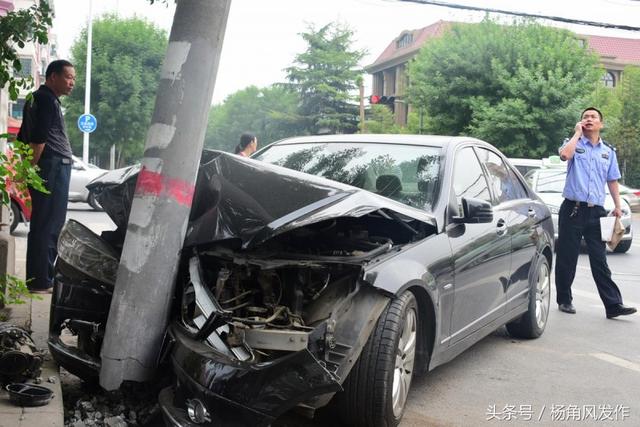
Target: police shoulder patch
(609, 145)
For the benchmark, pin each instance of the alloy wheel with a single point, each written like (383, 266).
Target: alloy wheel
(405, 357)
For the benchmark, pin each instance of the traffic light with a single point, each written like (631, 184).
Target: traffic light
(384, 100)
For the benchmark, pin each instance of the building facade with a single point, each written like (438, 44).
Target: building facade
(34, 59)
(389, 70)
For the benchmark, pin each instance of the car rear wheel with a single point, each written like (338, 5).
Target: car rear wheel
(93, 202)
(14, 216)
(532, 323)
(376, 390)
(622, 246)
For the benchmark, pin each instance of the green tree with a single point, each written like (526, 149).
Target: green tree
(519, 86)
(325, 76)
(17, 29)
(381, 121)
(621, 110)
(270, 113)
(126, 58)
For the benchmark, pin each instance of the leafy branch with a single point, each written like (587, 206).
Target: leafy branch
(18, 28)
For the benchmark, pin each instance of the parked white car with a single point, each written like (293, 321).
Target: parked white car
(81, 174)
(549, 183)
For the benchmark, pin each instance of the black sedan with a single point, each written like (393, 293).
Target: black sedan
(323, 273)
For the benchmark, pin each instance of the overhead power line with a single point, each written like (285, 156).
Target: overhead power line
(526, 15)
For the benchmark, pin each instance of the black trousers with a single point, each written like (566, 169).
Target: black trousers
(571, 229)
(48, 214)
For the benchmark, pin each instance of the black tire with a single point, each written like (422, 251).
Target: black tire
(368, 399)
(14, 216)
(532, 323)
(93, 202)
(623, 246)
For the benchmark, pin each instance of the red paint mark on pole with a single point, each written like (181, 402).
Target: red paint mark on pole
(153, 183)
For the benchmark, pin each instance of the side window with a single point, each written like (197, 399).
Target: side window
(504, 184)
(468, 179)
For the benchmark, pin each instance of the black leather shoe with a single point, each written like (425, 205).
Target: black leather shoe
(619, 310)
(567, 308)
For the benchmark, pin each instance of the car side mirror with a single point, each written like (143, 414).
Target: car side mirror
(474, 211)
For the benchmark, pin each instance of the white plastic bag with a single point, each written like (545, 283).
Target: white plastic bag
(607, 223)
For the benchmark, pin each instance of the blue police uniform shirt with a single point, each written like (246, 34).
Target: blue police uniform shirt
(588, 172)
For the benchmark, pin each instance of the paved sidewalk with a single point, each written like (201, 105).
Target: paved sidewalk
(34, 316)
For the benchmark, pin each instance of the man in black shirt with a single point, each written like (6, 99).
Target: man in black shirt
(43, 129)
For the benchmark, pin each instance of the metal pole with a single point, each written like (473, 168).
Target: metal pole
(145, 282)
(362, 129)
(87, 85)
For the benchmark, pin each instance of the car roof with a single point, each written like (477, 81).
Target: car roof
(525, 162)
(399, 139)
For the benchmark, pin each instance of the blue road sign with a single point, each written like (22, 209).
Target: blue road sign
(87, 123)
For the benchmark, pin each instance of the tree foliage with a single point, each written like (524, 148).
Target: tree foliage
(621, 110)
(126, 58)
(17, 29)
(270, 113)
(325, 76)
(518, 86)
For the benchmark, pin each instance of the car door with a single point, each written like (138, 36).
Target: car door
(511, 198)
(481, 253)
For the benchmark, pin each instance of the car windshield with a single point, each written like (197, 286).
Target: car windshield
(406, 173)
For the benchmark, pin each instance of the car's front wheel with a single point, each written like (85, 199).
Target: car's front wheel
(532, 323)
(375, 392)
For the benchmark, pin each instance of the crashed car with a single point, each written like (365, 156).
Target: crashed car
(324, 272)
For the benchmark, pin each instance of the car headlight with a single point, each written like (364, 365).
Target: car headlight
(86, 252)
(554, 209)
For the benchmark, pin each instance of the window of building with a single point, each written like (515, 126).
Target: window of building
(608, 79)
(16, 108)
(26, 70)
(405, 40)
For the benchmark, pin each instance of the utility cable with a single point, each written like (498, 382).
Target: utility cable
(526, 15)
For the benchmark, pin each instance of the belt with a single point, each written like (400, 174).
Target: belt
(63, 160)
(583, 204)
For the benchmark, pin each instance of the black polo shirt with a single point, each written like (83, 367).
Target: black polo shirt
(43, 123)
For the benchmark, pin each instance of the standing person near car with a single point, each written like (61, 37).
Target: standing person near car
(592, 164)
(247, 146)
(43, 129)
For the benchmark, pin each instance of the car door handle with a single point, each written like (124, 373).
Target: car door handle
(501, 227)
(531, 213)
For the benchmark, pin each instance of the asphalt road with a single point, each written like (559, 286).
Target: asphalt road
(584, 370)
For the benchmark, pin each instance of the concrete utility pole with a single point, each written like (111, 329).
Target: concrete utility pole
(87, 84)
(157, 224)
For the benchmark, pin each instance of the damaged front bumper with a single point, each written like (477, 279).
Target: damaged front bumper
(218, 390)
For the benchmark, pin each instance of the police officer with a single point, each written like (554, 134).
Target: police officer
(591, 164)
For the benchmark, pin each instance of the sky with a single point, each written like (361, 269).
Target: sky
(262, 36)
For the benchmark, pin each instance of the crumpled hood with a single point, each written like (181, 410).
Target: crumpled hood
(240, 198)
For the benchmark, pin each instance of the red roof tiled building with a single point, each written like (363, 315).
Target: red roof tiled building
(389, 69)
